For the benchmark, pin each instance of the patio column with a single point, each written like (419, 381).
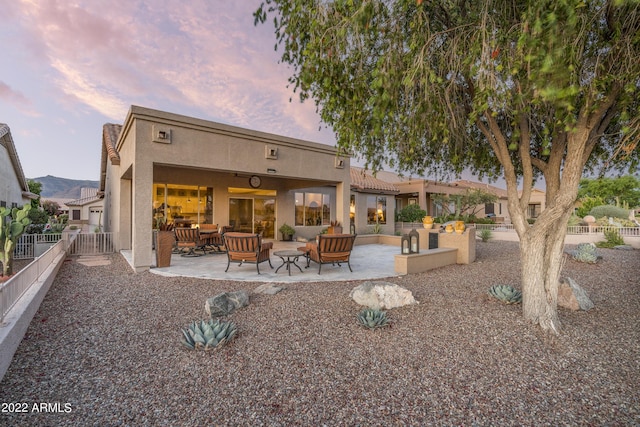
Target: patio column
(142, 196)
(342, 205)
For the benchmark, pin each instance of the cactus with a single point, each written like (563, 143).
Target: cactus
(208, 334)
(371, 318)
(585, 252)
(12, 225)
(506, 294)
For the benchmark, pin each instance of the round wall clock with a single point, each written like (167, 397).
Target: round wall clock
(255, 181)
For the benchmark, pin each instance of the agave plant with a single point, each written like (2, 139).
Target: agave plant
(208, 334)
(505, 293)
(371, 318)
(586, 252)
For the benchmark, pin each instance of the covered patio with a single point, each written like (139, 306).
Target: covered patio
(369, 262)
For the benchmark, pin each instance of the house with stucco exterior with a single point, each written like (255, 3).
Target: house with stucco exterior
(14, 190)
(86, 212)
(161, 166)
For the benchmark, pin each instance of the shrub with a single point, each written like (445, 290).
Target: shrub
(485, 234)
(585, 252)
(474, 220)
(376, 229)
(574, 220)
(588, 203)
(609, 211)
(613, 238)
(411, 213)
(617, 222)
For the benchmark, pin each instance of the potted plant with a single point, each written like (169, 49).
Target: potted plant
(334, 228)
(287, 232)
(165, 240)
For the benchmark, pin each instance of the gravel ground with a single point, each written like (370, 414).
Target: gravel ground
(104, 347)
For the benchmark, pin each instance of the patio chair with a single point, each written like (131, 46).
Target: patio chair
(330, 249)
(189, 240)
(246, 248)
(211, 234)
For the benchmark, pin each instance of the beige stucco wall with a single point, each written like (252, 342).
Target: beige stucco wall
(201, 152)
(361, 214)
(10, 188)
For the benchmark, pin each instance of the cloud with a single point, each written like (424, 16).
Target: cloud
(17, 99)
(202, 57)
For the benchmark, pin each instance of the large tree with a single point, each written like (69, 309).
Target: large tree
(614, 191)
(522, 89)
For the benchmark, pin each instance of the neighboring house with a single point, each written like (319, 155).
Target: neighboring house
(372, 202)
(86, 212)
(420, 191)
(14, 190)
(189, 171)
(500, 210)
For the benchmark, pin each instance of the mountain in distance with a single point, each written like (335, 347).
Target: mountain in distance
(63, 188)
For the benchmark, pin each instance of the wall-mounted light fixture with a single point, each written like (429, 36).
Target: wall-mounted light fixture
(161, 134)
(270, 152)
(271, 170)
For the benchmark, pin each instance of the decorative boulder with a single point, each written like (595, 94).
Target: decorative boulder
(226, 303)
(572, 296)
(268, 289)
(382, 295)
(623, 247)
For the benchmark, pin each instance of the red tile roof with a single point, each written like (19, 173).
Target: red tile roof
(363, 180)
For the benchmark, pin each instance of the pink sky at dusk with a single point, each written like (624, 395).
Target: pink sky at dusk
(71, 66)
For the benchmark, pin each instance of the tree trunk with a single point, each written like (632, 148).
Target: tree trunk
(541, 254)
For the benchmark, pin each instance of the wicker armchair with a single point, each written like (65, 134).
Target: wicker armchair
(330, 249)
(246, 248)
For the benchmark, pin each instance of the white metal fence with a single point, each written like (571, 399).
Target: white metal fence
(28, 244)
(14, 288)
(92, 244)
(73, 243)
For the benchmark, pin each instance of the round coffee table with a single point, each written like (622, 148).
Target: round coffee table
(289, 257)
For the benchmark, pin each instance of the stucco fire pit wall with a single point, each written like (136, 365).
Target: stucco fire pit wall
(452, 249)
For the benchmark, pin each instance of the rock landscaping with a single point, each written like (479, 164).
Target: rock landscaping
(101, 347)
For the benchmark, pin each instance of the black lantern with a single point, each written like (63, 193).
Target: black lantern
(414, 242)
(405, 244)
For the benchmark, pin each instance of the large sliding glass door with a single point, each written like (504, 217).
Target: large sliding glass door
(253, 211)
(264, 217)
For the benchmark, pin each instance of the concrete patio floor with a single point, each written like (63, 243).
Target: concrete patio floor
(367, 261)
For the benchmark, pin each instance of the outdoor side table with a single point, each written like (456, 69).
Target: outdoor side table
(288, 258)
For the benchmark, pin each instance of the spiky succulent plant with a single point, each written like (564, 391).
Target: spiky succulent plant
(208, 334)
(371, 318)
(586, 252)
(505, 293)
